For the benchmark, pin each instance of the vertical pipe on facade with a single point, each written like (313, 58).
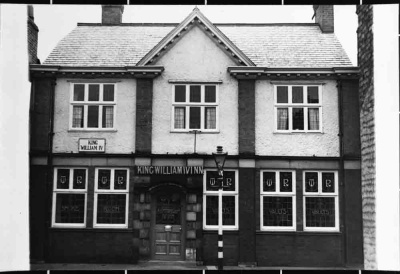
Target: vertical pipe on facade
(342, 194)
(48, 188)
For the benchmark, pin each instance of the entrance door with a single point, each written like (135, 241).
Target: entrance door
(167, 233)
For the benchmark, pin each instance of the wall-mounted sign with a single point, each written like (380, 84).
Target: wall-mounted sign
(169, 170)
(91, 145)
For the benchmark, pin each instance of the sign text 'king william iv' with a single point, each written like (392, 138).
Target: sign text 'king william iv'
(169, 170)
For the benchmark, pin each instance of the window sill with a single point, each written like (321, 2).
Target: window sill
(91, 229)
(92, 130)
(198, 131)
(318, 233)
(298, 132)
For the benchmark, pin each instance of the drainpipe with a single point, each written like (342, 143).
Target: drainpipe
(50, 174)
(342, 193)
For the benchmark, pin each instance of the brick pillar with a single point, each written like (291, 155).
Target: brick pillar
(144, 114)
(247, 217)
(367, 130)
(247, 116)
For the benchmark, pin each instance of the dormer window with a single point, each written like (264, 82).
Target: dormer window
(195, 107)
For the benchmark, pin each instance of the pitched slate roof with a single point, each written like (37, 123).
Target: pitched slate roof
(266, 45)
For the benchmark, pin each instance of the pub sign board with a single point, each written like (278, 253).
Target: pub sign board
(91, 145)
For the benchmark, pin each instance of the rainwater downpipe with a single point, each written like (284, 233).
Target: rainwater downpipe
(342, 192)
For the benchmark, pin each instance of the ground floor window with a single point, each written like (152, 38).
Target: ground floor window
(320, 201)
(111, 197)
(69, 197)
(278, 203)
(230, 195)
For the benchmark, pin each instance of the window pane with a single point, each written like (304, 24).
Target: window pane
(108, 93)
(212, 210)
(79, 179)
(104, 179)
(62, 178)
(93, 116)
(311, 182)
(179, 118)
(283, 121)
(70, 208)
(210, 94)
(108, 117)
(94, 92)
(285, 181)
(282, 94)
(320, 211)
(312, 95)
(77, 117)
(210, 118)
(79, 92)
(297, 94)
(120, 179)
(228, 210)
(269, 183)
(168, 209)
(229, 183)
(195, 94)
(298, 118)
(180, 93)
(278, 211)
(313, 119)
(194, 118)
(111, 208)
(328, 182)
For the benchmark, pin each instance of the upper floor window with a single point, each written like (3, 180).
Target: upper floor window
(93, 106)
(298, 108)
(195, 107)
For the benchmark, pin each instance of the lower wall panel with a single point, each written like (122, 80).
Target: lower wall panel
(210, 249)
(92, 247)
(300, 250)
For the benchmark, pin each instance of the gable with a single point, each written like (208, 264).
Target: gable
(196, 19)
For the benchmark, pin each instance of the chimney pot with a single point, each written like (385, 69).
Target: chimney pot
(324, 17)
(112, 14)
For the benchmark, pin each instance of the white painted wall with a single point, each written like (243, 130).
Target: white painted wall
(120, 141)
(14, 139)
(296, 144)
(386, 91)
(195, 57)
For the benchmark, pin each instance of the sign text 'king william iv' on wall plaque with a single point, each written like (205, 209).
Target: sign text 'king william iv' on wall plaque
(92, 145)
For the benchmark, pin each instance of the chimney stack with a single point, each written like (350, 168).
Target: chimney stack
(112, 14)
(324, 17)
(33, 31)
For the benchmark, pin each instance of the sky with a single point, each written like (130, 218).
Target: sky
(56, 21)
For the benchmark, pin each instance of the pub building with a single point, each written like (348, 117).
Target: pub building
(125, 118)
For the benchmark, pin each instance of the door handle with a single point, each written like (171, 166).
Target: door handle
(168, 228)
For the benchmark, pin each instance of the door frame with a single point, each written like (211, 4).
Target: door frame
(170, 187)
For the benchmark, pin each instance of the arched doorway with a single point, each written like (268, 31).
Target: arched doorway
(168, 208)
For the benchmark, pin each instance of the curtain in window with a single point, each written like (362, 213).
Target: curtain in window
(211, 118)
(313, 119)
(283, 121)
(108, 116)
(179, 119)
(77, 117)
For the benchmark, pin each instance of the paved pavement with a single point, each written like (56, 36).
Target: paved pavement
(158, 265)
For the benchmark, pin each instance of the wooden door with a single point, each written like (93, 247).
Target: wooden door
(167, 220)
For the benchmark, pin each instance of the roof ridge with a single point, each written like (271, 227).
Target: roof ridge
(215, 24)
(128, 24)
